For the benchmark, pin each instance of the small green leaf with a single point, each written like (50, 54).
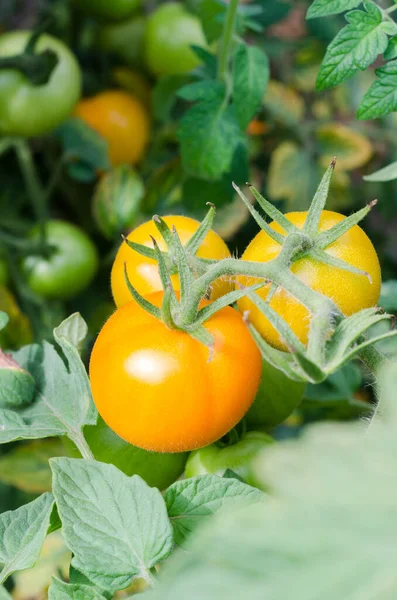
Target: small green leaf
(355, 47)
(85, 149)
(3, 320)
(381, 98)
(22, 533)
(391, 50)
(192, 500)
(209, 134)
(17, 386)
(164, 96)
(72, 330)
(116, 526)
(388, 295)
(202, 90)
(388, 173)
(250, 78)
(59, 590)
(322, 8)
(4, 595)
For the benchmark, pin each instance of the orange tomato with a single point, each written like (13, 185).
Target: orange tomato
(121, 120)
(156, 387)
(349, 291)
(256, 127)
(143, 272)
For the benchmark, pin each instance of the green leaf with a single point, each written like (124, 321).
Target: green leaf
(116, 526)
(329, 532)
(22, 533)
(17, 386)
(322, 8)
(26, 466)
(202, 90)
(209, 12)
(164, 96)
(4, 595)
(191, 501)
(71, 332)
(391, 50)
(3, 319)
(381, 98)
(388, 173)
(355, 47)
(388, 295)
(209, 134)
(62, 405)
(60, 590)
(250, 78)
(85, 150)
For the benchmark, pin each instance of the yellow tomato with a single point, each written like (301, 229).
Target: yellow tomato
(143, 272)
(121, 120)
(349, 291)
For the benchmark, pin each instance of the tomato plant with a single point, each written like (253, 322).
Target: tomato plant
(156, 388)
(170, 32)
(29, 109)
(121, 120)
(157, 469)
(3, 271)
(124, 39)
(70, 266)
(350, 291)
(143, 271)
(239, 457)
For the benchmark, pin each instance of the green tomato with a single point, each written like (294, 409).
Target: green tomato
(3, 271)
(124, 39)
(112, 10)
(32, 110)
(70, 267)
(117, 200)
(238, 457)
(157, 469)
(277, 397)
(170, 32)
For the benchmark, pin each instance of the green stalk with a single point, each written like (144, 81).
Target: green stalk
(227, 39)
(33, 185)
(81, 444)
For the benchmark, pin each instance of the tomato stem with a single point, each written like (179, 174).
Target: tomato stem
(227, 40)
(81, 444)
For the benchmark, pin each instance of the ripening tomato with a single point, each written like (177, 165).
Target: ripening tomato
(349, 291)
(27, 109)
(170, 32)
(143, 272)
(156, 387)
(121, 120)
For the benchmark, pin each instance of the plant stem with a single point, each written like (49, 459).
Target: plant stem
(33, 185)
(79, 440)
(390, 9)
(227, 39)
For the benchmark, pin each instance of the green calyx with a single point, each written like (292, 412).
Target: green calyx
(36, 66)
(333, 338)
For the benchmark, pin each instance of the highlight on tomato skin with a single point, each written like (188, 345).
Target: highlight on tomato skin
(156, 387)
(350, 292)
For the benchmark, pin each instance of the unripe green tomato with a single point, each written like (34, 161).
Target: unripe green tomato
(71, 266)
(158, 470)
(112, 10)
(124, 39)
(238, 457)
(17, 386)
(32, 110)
(117, 200)
(277, 397)
(170, 32)
(3, 271)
